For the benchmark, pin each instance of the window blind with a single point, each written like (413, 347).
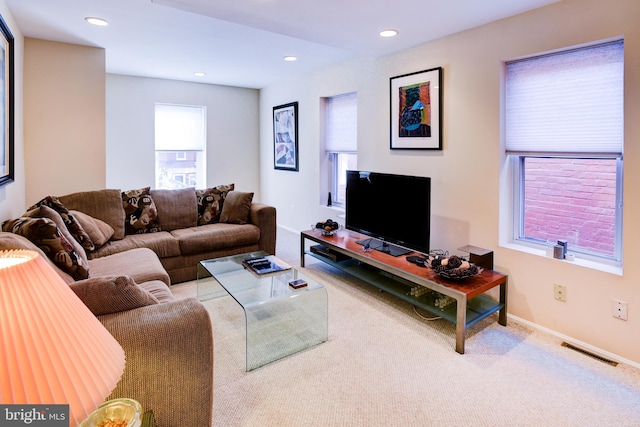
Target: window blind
(341, 123)
(179, 127)
(570, 102)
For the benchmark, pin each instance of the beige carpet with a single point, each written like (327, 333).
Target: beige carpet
(385, 366)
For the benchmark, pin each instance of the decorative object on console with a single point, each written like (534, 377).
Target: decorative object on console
(285, 137)
(416, 119)
(453, 267)
(328, 227)
(54, 353)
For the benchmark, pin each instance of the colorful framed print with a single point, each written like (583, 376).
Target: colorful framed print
(285, 137)
(7, 172)
(416, 119)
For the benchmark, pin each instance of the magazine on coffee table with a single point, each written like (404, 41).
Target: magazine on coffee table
(265, 264)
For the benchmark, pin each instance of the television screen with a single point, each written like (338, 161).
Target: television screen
(389, 208)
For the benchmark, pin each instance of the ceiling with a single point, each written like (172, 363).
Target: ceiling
(243, 42)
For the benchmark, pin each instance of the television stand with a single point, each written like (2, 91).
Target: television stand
(384, 247)
(417, 285)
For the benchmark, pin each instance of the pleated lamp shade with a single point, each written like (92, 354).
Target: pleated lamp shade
(53, 350)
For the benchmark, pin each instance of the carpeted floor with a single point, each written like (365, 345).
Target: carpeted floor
(384, 365)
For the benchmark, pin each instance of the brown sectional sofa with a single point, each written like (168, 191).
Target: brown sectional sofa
(181, 243)
(168, 342)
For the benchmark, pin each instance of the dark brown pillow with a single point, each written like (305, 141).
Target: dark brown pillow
(44, 233)
(141, 214)
(73, 226)
(236, 208)
(99, 231)
(106, 295)
(45, 211)
(211, 202)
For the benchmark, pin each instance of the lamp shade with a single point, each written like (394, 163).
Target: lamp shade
(53, 350)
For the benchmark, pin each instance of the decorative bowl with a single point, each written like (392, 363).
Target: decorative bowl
(453, 267)
(116, 413)
(327, 228)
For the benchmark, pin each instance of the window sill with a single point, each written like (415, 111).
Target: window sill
(605, 267)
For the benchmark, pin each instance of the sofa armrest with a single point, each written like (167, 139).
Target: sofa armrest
(169, 360)
(264, 216)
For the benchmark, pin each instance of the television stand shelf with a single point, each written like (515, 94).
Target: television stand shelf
(412, 283)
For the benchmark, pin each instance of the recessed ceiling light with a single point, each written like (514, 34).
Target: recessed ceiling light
(388, 33)
(96, 21)
(199, 74)
(290, 58)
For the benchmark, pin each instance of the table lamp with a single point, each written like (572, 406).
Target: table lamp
(53, 350)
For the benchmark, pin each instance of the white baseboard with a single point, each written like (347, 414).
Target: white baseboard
(577, 343)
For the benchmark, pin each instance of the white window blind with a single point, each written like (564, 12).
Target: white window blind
(569, 102)
(179, 127)
(341, 123)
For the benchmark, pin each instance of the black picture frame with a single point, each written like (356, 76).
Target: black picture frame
(7, 165)
(416, 110)
(285, 137)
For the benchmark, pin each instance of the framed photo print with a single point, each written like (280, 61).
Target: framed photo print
(285, 137)
(416, 120)
(6, 105)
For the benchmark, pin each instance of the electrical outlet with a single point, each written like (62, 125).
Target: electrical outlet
(619, 309)
(560, 292)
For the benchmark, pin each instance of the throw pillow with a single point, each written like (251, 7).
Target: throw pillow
(211, 202)
(72, 225)
(44, 233)
(99, 231)
(141, 215)
(106, 295)
(236, 208)
(46, 212)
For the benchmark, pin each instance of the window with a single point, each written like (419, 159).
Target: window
(564, 139)
(341, 142)
(180, 141)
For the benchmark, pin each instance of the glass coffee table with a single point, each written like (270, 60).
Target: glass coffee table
(280, 320)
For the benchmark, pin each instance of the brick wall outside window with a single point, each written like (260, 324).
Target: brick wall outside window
(571, 199)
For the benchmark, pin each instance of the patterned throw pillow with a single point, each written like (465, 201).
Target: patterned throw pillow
(141, 215)
(44, 233)
(73, 226)
(210, 202)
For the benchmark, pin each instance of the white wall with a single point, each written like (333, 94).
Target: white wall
(466, 174)
(65, 118)
(232, 130)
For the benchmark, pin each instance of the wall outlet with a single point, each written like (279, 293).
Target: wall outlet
(619, 309)
(560, 292)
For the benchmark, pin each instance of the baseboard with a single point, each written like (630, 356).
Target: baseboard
(577, 343)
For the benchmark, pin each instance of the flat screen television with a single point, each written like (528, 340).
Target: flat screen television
(393, 210)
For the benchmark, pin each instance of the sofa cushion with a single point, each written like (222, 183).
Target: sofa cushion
(206, 238)
(162, 243)
(106, 295)
(141, 214)
(46, 235)
(236, 208)
(99, 231)
(72, 225)
(176, 208)
(105, 205)
(210, 203)
(44, 211)
(141, 264)
(10, 241)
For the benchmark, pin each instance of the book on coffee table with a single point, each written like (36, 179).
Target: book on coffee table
(265, 264)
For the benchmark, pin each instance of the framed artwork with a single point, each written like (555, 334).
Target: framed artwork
(285, 137)
(6, 104)
(416, 101)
